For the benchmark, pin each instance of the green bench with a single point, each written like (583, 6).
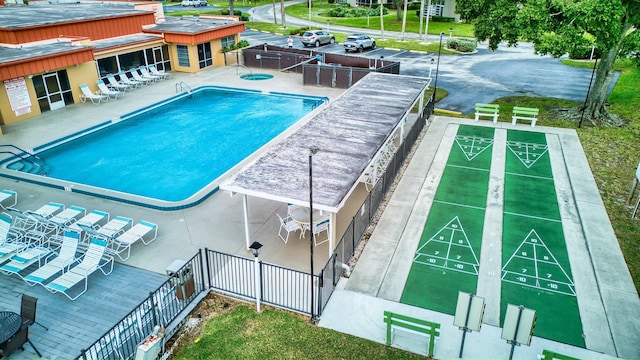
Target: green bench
(418, 326)
(524, 113)
(550, 355)
(490, 110)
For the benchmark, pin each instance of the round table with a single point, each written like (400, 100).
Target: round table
(301, 216)
(9, 325)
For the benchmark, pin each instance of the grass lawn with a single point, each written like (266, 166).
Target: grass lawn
(241, 333)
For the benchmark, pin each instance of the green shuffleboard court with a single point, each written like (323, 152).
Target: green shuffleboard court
(449, 248)
(535, 265)
(536, 272)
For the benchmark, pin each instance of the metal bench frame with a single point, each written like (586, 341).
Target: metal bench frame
(414, 325)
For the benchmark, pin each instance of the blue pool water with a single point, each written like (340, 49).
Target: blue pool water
(174, 150)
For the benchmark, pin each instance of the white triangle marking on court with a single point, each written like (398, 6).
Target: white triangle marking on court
(528, 153)
(473, 145)
(524, 267)
(449, 249)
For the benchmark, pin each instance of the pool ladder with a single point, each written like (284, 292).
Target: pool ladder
(30, 161)
(182, 86)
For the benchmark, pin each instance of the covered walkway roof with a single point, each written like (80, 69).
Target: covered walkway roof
(348, 133)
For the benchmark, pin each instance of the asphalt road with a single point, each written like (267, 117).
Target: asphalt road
(480, 77)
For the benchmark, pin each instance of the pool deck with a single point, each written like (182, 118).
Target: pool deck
(217, 223)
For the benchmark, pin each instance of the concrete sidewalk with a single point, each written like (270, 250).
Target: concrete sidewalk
(606, 301)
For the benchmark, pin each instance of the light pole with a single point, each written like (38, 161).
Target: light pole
(435, 86)
(309, 13)
(450, 33)
(255, 250)
(312, 151)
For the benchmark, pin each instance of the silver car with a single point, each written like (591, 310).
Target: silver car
(358, 42)
(317, 38)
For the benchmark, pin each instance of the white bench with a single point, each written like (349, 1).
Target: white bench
(490, 110)
(524, 113)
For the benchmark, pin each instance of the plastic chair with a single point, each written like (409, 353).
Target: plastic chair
(28, 311)
(288, 225)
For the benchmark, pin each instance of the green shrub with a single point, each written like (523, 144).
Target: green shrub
(462, 45)
(226, 12)
(345, 11)
(331, 1)
(442, 19)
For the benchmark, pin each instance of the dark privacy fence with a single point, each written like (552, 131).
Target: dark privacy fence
(230, 274)
(317, 67)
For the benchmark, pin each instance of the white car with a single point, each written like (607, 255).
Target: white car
(358, 42)
(194, 3)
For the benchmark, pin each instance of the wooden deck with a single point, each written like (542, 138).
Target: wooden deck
(75, 325)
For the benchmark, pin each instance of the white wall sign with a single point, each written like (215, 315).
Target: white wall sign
(18, 95)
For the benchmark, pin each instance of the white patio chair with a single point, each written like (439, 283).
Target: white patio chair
(124, 78)
(147, 75)
(8, 198)
(136, 76)
(88, 94)
(111, 93)
(35, 251)
(319, 227)
(143, 231)
(94, 259)
(116, 85)
(94, 220)
(154, 71)
(10, 241)
(68, 216)
(65, 256)
(288, 225)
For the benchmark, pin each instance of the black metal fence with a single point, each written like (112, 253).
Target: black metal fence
(159, 309)
(246, 278)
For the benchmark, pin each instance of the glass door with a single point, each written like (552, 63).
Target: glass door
(56, 101)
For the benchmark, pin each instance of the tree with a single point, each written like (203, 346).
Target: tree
(556, 27)
(398, 4)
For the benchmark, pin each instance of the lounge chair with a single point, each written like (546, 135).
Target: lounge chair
(94, 220)
(110, 230)
(47, 210)
(156, 72)
(124, 78)
(68, 216)
(136, 76)
(22, 223)
(104, 90)
(10, 241)
(26, 256)
(65, 256)
(115, 85)
(8, 198)
(147, 75)
(92, 260)
(143, 231)
(88, 94)
(43, 214)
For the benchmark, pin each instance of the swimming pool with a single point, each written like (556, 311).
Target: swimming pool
(169, 155)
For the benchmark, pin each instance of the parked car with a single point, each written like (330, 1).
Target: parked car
(194, 3)
(317, 38)
(358, 42)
